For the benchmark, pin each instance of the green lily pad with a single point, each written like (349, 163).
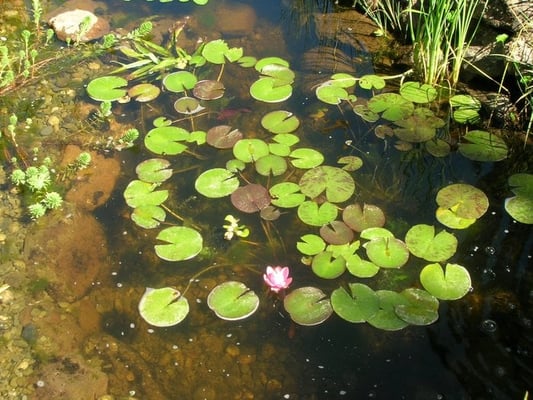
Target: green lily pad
(521, 184)
(331, 94)
(421, 93)
(154, 170)
(376, 233)
(266, 89)
(107, 88)
(271, 164)
(387, 252)
(351, 163)
(371, 81)
(307, 306)
(166, 140)
(343, 79)
(423, 308)
(247, 61)
(179, 81)
(144, 92)
(287, 139)
(437, 147)
(392, 106)
(217, 51)
(483, 146)
(163, 307)
(259, 65)
(232, 301)
(359, 219)
(188, 105)
(336, 232)
(286, 195)
(209, 90)
(180, 243)
(306, 158)
(465, 201)
(364, 112)
(422, 242)
(419, 127)
(450, 219)
(282, 75)
(249, 150)
(361, 268)
(223, 136)
(356, 306)
(449, 284)
(311, 245)
(520, 208)
(139, 193)
(280, 121)
(386, 318)
(216, 182)
(337, 184)
(250, 198)
(325, 266)
(317, 215)
(465, 108)
(149, 216)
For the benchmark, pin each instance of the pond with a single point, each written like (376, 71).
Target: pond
(163, 212)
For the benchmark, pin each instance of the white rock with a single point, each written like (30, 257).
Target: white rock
(67, 26)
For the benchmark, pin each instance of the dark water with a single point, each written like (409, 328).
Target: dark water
(480, 348)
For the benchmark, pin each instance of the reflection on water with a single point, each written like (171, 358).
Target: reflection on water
(481, 347)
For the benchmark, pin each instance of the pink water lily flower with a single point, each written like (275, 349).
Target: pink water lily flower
(277, 278)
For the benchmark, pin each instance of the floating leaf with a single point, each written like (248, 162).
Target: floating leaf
(361, 268)
(419, 127)
(163, 307)
(483, 146)
(249, 150)
(331, 94)
(250, 198)
(372, 81)
(311, 245)
(154, 170)
(342, 79)
(520, 207)
(451, 284)
(450, 219)
(376, 233)
(166, 140)
(144, 92)
(422, 242)
(280, 122)
(208, 90)
(312, 214)
(352, 163)
(148, 216)
(306, 158)
(139, 193)
(356, 306)
(437, 147)
(223, 136)
(421, 93)
(188, 105)
(337, 184)
(107, 88)
(422, 309)
(326, 267)
(307, 306)
(386, 318)
(286, 195)
(179, 81)
(216, 52)
(336, 232)
(270, 213)
(387, 252)
(465, 201)
(359, 219)
(271, 164)
(465, 108)
(232, 301)
(392, 106)
(216, 182)
(270, 60)
(364, 112)
(180, 243)
(267, 90)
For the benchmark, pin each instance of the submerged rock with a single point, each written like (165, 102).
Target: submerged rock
(78, 26)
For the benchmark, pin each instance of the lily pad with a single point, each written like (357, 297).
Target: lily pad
(465, 108)
(209, 90)
(216, 182)
(311, 245)
(154, 170)
(308, 306)
(343, 79)
(336, 232)
(163, 307)
(317, 215)
(449, 284)
(386, 318)
(271, 164)
(387, 252)
(419, 127)
(372, 81)
(270, 60)
(266, 89)
(223, 136)
(144, 92)
(280, 121)
(180, 243)
(337, 184)
(149, 216)
(483, 146)
(421, 93)
(392, 106)
(359, 219)
(166, 140)
(351, 163)
(249, 150)
(250, 198)
(520, 207)
(232, 301)
(361, 268)
(286, 195)
(139, 193)
(357, 305)
(437, 147)
(423, 308)
(465, 201)
(188, 106)
(107, 88)
(331, 94)
(217, 51)
(306, 158)
(179, 81)
(450, 219)
(364, 112)
(422, 242)
(326, 266)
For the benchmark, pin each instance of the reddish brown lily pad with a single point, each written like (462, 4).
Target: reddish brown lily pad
(336, 232)
(250, 198)
(223, 136)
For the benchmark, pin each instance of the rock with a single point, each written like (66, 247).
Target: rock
(235, 20)
(67, 26)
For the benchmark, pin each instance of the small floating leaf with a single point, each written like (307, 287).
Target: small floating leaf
(107, 88)
(466, 201)
(306, 158)
(209, 90)
(267, 90)
(286, 195)
(336, 232)
(483, 146)
(331, 94)
(280, 121)
(166, 140)
(422, 309)
(223, 136)
(386, 317)
(163, 307)
(327, 267)
(421, 93)
(359, 219)
(387, 252)
(392, 106)
(337, 184)
(372, 81)
(216, 182)
(181, 243)
(139, 193)
(312, 214)
(357, 305)
(249, 150)
(232, 301)
(154, 170)
(144, 92)
(179, 81)
(250, 198)
(307, 306)
(311, 245)
(149, 216)
(422, 242)
(449, 284)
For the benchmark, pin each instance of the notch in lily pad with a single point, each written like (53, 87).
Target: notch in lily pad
(232, 301)
(163, 307)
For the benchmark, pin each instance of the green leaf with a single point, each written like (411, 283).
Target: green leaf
(387, 252)
(166, 140)
(267, 90)
(337, 184)
(163, 307)
(423, 308)
(107, 88)
(306, 158)
(451, 284)
(386, 318)
(144, 92)
(250, 150)
(216, 182)
(342, 79)
(149, 216)
(421, 93)
(139, 193)
(359, 219)
(280, 121)
(271, 164)
(232, 301)
(307, 306)
(330, 93)
(286, 195)
(483, 146)
(326, 267)
(392, 106)
(312, 214)
(372, 81)
(465, 201)
(311, 245)
(180, 243)
(154, 170)
(356, 306)
(422, 242)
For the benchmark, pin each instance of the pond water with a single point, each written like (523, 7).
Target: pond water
(100, 263)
